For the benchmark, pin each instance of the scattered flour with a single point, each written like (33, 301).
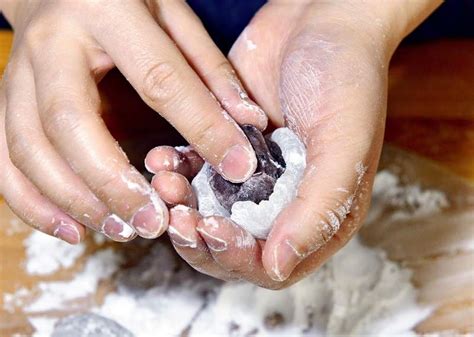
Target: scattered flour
(358, 292)
(46, 254)
(61, 294)
(154, 313)
(15, 227)
(250, 45)
(408, 201)
(44, 326)
(15, 300)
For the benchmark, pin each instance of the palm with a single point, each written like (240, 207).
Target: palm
(305, 73)
(312, 69)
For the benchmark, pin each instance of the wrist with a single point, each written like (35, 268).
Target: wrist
(388, 21)
(378, 25)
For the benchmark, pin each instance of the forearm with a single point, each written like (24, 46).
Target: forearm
(409, 14)
(381, 24)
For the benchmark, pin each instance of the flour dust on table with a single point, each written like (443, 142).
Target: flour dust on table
(358, 292)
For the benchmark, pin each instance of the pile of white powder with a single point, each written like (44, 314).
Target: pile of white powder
(359, 292)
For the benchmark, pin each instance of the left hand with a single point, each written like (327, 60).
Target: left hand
(321, 69)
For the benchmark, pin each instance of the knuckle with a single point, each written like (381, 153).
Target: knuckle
(108, 181)
(223, 66)
(60, 116)
(162, 84)
(71, 203)
(220, 68)
(33, 36)
(200, 260)
(203, 133)
(20, 148)
(121, 195)
(325, 227)
(321, 229)
(38, 33)
(26, 214)
(82, 207)
(236, 267)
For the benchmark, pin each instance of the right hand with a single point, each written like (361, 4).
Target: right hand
(61, 170)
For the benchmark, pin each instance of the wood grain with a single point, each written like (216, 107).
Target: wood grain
(431, 103)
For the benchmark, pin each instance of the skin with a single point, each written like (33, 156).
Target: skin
(319, 67)
(62, 171)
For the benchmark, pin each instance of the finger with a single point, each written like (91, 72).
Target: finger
(26, 202)
(182, 160)
(68, 103)
(174, 189)
(189, 245)
(235, 250)
(37, 211)
(185, 28)
(155, 67)
(34, 156)
(330, 202)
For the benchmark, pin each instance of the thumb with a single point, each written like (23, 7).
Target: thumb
(330, 204)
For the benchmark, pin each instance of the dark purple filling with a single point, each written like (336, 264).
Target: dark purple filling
(270, 167)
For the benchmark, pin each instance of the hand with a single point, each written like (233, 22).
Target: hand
(61, 169)
(320, 68)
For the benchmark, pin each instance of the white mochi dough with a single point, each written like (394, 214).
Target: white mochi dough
(257, 219)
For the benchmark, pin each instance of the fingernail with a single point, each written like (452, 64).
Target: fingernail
(68, 233)
(179, 239)
(285, 258)
(149, 221)
(239, 164)
(181, 214)
(213, 242)
(117, 229)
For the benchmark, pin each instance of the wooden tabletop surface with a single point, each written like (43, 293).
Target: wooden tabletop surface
(430, 112)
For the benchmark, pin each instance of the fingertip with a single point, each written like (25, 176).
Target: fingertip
(238, 104)
(239, 164)
(181, 230)
(208, 228)
(193, 159)
(174, 188)
(117, 229)
(163, 158)
(248, 112)
(184, 217)
(70, 232)
(281, 260)
(151, 220)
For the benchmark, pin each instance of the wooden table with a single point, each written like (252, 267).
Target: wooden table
(430, 112)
